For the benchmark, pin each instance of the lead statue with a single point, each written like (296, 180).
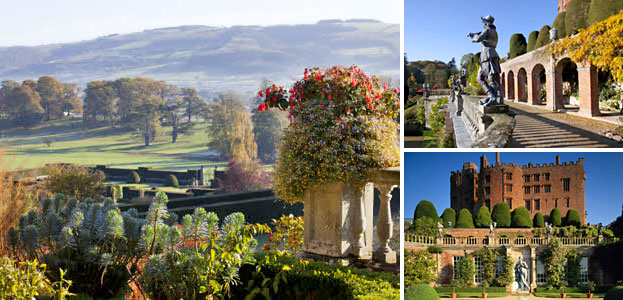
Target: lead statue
(489, 74)
(521, 275)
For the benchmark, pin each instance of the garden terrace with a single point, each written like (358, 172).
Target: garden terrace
(412, 241)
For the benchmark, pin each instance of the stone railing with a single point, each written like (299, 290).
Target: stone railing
(418, 240)
(489, 127)
(339, 220)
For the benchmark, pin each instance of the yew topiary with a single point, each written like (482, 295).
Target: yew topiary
(543, 37)
(425, 209)
(421, 292)
(520, 218)
(555, 218)
(577, 16)
(134, 177)
(532, 38)
(600, 10)
(501, 215)
(538, 221)
(464, 219)
(615, 293)
(518, 45)
(573, 218)
(449, 215)
(559, 23)
(483, 218)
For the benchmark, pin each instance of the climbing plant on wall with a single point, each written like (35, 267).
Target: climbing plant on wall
(343, 127)
(554, 259)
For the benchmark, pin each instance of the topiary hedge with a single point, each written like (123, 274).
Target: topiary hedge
(319, 279)
(492, 289)
(134, 177)
(464, 219)
(421, 292)
(616, 293)
(501, 215)
(483, 218)
(425, 209)
(577, 16)
(449, 215)
(543, 37)
(532, 40)
(555, 218)
(172, 180)
(520, 218)
(518, 45)
(573, 218)
(600, 10)
(559, 23)
(538, 220)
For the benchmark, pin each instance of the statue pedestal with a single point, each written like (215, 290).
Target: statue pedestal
(494, 109)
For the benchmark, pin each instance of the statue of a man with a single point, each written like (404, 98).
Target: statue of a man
(549, 228)
(440, 229)
(491, 228)
(462, 80)
(521, 274)
(489, 73)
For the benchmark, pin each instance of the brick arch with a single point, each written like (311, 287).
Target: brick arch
(522, 81)
(510, 85)
(535, 84)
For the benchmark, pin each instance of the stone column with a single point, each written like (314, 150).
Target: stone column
(518, 87)
(553, 82)
(384, 225)
(532, 268)
(357, 222)
(530, 88)
(588, 93)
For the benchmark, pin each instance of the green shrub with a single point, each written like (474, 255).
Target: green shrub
(421, 292)
(532, 40)
(483, 218)
(75, 181)
(465, 219)
(465, 271)
(573, 218)
(573, 267)
(538, 221)
(615, 293)
(446, 289)
(134, 177)
(518, 45)
(419, 267)
(425, 209)
(448, 215)
(555, 218)
(434, 250)
(543, 37)
(501, 215)
(554, 260)
(27, 280)
(520, 218)
(577, 16)
(307, 278)
(95, 243)
(559, 23)
(172, 181)
(600, 10)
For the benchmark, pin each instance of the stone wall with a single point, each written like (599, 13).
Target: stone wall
(489, 127)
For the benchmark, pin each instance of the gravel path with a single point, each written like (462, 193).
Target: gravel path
(540, 128)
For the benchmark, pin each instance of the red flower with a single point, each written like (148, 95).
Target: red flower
(354, 83)
(329, 96)
(368, 98)
(261, 94)
(318, 78)
(384, 85)
(348, 110)
(274, 97)
(291, 106)
(378, 96)
(371, 107)
(289, 116)
(340, 119)
(320, 105)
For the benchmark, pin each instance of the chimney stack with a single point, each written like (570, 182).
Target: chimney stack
(497, 158)
(557, 160)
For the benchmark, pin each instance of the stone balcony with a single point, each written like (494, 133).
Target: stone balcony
(414, 241)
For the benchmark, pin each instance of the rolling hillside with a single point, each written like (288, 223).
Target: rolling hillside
(213, 58)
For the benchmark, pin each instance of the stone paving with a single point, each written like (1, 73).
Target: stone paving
(541, 128)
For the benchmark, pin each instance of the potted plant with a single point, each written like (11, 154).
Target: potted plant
(485, 285)
(563, 285)
(454, 284)
(591, 287)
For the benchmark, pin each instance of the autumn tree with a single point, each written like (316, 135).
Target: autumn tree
(5, 90)
(24, 106)
(221, 118)
(70, 100)
(193, 104)
(145, 119)
(99, 101)
(51, 92)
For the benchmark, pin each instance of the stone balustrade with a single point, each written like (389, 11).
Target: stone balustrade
(488, 127)
(339, 220)
(413, 240)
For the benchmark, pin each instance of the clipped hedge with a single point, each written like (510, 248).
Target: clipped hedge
(518, 45)
(532, 40)
(616, 293)
(573, 218)
(421, 292)
(502, 215)
(449, 215)
(520, 218)
(538, 220)
(483, 218)
(555, 218)
(425, 209)
(447, 289)
(321, 280)
(172, 181)
(134, 177)
(577, 16)
(543, 37)
(559, 23)
(600, 10)
(465, 219)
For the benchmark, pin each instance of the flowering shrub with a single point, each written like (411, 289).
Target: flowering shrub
(342, 128)
(286, 237)
(26, 280)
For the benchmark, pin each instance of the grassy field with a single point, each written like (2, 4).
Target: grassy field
(117, 147)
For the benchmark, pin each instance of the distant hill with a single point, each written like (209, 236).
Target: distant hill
(213, 58)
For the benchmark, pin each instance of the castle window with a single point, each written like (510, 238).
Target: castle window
(584, 269)
(537, 189)
(527, 204)
(537, 204)
(509, 187)
(455, 261)
(509, 201)
(556, 203)
(540, 273)
(488, 203)
(526, 178)
(509, 176)
(499, 266)
(546, 175)
(487, 179)
(565, 184)
(487, 190)
(526, 190)
(567, 202)
(537, 177)
(547, 188)
(478, 269)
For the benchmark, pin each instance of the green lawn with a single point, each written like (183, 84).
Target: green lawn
(429, 140)
(472, 295)
(113, 146)
(569, 295)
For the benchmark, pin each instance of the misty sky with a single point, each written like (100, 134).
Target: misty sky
(37, 22)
